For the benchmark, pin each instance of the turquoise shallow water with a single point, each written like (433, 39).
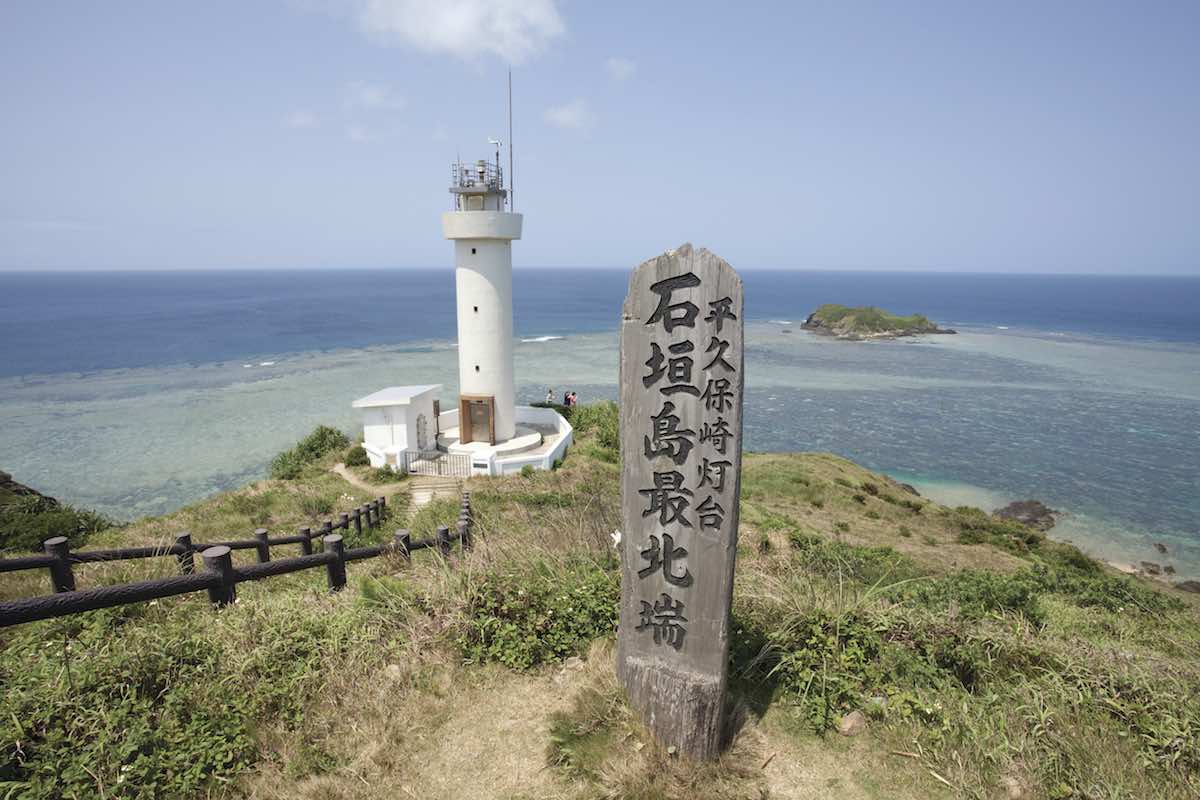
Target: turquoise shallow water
(1107, 430)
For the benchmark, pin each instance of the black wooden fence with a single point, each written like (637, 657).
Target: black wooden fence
(220, 576)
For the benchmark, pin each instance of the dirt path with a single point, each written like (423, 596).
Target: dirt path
(500, 729)
(421, 489)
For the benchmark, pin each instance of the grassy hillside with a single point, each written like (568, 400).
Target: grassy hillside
(986, 660)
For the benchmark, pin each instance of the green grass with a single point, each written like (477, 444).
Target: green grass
(166, 701)
(545, 612)
(980, 667)
(28, 520)
(990, 652)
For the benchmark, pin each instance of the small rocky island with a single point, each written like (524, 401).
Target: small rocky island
(867, 322)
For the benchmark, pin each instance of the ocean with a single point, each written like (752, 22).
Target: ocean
(137, 392)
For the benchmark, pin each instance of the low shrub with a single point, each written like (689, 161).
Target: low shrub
(140, 714)
(28, 520)
(287, 466)
(975, 526)
(544, 614)
(385, 474)
(600, 420)
(357, 456)
(316, 505)
(323, 440)
(868, 565)
(976, 593)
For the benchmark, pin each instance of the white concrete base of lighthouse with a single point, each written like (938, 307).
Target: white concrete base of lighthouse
(525, 439)
(542, 438)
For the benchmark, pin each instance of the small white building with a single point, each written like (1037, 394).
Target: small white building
(399, 418)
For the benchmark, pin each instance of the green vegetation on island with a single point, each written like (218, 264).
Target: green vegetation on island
(867, 322)
(884, 646)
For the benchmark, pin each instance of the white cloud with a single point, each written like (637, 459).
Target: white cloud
(361, 94)
(513, 30)
(301, 120)
(620, 68)
(360, 134)
(575, 114)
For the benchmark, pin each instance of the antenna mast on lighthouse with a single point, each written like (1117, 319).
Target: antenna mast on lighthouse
(511, 194)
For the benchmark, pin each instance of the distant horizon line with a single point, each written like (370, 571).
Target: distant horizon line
(520, 268)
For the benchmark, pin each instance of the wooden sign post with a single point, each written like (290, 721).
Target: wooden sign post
(681, 458)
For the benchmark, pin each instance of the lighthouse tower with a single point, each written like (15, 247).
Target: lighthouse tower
(483, 230)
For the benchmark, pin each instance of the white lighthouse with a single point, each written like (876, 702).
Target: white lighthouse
(486, 433)
(483, 230)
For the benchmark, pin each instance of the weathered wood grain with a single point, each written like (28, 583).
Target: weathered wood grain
(681, 417)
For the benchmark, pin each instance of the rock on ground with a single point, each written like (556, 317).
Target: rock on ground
(8, 485)
(1033, 513)
(852, 724)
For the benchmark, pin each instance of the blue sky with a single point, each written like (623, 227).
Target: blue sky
(1030, 137)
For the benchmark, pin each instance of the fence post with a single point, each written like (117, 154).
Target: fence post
(187, 562)
(358, 519)
(464, 535)
(382, 507)
(335, 567)
(218, 560)
(326, 530)
(263, 546)
(306, 545)
(403, 542)
(443, 540)
(61, 574)
(345, 522)
(367, 509)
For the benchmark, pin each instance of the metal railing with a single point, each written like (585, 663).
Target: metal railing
(436, 463)
(476, 175)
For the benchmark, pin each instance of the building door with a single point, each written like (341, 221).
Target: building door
(477, 418)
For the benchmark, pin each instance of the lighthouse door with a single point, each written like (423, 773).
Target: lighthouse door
(477, 418)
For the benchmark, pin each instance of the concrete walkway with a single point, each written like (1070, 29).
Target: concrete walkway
(423, 489)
